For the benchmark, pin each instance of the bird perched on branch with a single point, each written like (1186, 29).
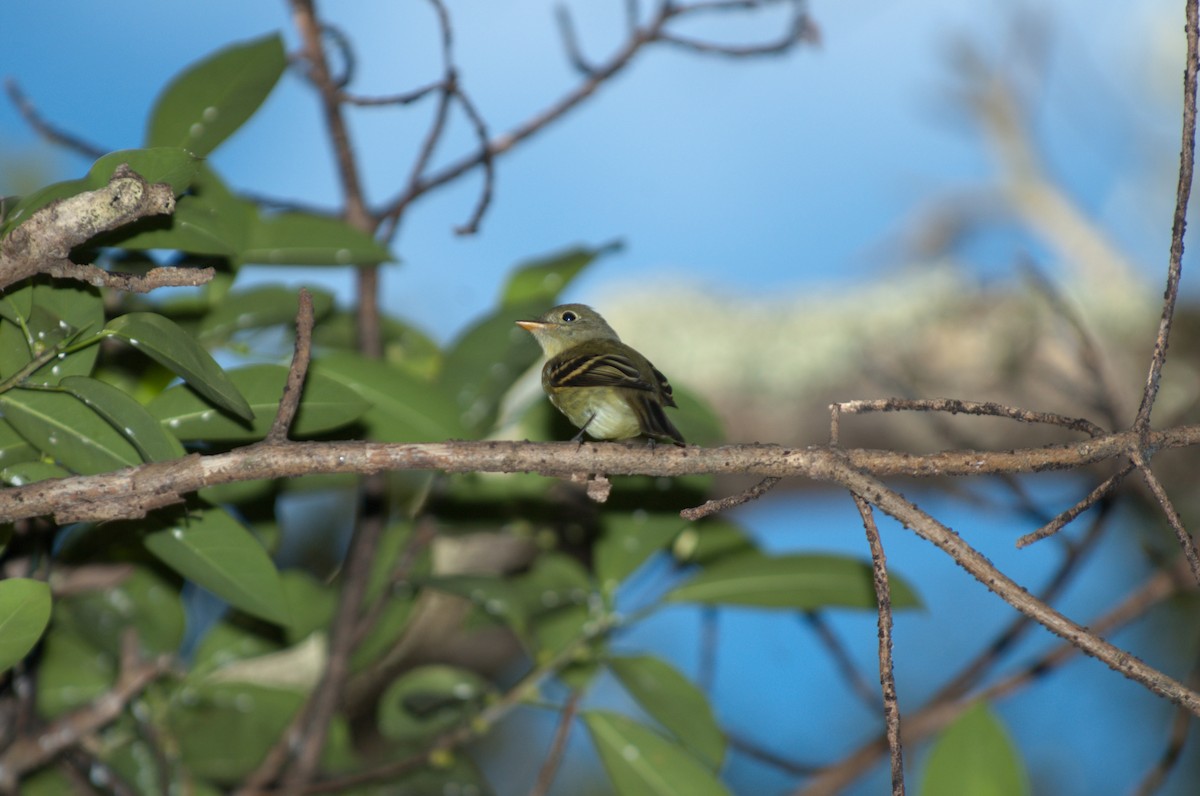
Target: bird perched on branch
(604, 387)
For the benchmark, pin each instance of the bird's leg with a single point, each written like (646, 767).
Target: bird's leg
(579, 437)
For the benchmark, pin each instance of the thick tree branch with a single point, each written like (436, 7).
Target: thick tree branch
(42, 243)
(125, 494)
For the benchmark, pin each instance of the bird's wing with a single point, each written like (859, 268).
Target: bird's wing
(591, 369)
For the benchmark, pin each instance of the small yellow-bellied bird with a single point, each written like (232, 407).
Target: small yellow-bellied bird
(603, 386)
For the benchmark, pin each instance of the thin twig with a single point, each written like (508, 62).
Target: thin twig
(955, 406)
(1183, 190)
(558, 746)
(46, 130)
(1058, 523)
(756, 752)
(293, 389)
(29, 753)
(1176, 738)
(887, 677)
(1186, 543)
(718, 505)
(841, 658)
(938, 714)
(489, 168)
(566, 30)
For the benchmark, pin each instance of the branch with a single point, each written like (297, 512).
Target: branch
(887, 677)
(289, 403)
(29, 753)
(121, 493)
(45, 129)
(1183, 190)
(43, 242)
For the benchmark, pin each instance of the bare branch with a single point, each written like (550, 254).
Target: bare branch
(1183, 191)
(46, 130)
(1186, 542)
(957, 407)
(722, 504)
(887, 677)
(29, 753)
(1058, 523)
(293, 389)
(558, 746)
(110, 495)
(42, 243)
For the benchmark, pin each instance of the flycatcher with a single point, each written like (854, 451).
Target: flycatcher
(603, 386)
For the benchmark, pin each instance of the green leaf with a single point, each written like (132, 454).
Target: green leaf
(210, 100)
(313, 604)
(54, 314)
(975, 756)
(166, 164)
(141, 600)
(127, 416)
(166, 343)
(256, 308)
(71, 673)
(326, 405)
(24, 614)
(31, 472)
(225, 729)
(213, 549)
(540, 281)
(640, 762)
(671, 700)
(171, 165)
(404, 408)
(65, 429)
(13, 447)
(801, 582)
(628, 540)
(209, 220)
(311, 239)
(226, 643)
(482, 365)
(429, 700)
(711, 540)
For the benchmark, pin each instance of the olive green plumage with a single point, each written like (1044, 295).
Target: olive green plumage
(603, 386)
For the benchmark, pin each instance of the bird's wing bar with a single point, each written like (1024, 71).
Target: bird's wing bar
(597, 370)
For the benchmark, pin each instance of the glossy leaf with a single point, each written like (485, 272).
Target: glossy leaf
(208, 220)
(482, 365)
(259, 307)
(214, 550)
(13, 447)
(711, 540)
(428, 700)
(404, 408)
(142, 600)
(326, 405)
(24, 613)
(495, 596)
(31, 472)
(71, 673)
(126, 415)
(640, 762)
(539, 282)
(210, 100)
(161, 164)
(171, 165)
(628, 540)
(801, 582)
(674, 702)
(310, 239)
(65, 429)
(166, 343)
(54, 314)
(975, 756)
(224, 729)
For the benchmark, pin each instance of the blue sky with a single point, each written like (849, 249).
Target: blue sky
(775, 176)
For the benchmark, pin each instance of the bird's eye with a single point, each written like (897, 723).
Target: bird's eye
(569, 316)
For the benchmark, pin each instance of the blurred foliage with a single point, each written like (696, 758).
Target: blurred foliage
(91, 383)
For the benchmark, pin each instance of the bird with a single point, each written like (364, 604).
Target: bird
(604, 387)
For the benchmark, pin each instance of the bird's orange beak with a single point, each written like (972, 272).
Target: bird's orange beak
(531, 326)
